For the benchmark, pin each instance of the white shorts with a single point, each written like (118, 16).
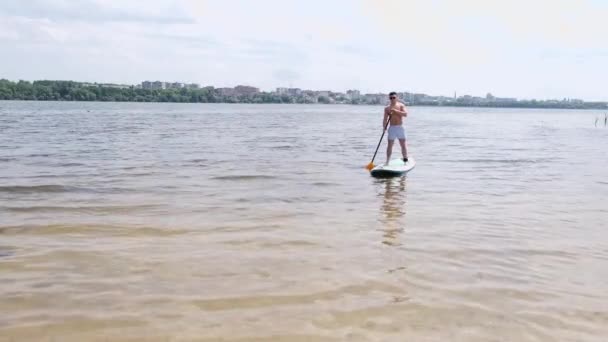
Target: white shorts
(396, 132)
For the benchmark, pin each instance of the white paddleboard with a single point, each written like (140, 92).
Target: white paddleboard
(395, 168)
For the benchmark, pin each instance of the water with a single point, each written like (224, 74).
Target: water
(259, 222)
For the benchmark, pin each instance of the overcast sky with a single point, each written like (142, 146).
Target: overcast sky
(518, 48)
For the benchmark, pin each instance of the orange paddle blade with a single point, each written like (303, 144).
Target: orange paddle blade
(370, 166)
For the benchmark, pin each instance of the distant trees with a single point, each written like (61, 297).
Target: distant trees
(48, 90)
(323, 99)
(75, 91)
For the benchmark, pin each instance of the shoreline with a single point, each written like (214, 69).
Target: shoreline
(317, 104)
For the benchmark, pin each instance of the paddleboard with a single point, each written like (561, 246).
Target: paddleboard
(395, 168)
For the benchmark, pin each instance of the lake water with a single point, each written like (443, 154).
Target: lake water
(183, 222)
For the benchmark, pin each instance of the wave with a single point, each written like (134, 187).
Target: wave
(324, 184)
(198, 161)
(40, 155)
(110, 209)
(6, 251)
(28, 189)
(91, 229)
(500, 161)
(244, 177)
(69, 164)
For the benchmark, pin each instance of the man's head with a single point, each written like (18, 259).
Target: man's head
(393, 97)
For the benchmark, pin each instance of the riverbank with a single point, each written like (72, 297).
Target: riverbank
(180, 93)
(321, 104)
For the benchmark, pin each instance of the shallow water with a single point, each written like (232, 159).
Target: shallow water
(259, 222)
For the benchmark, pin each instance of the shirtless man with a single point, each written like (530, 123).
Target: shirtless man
(396, 112)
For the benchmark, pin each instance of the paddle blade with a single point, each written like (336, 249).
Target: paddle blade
(370, 166)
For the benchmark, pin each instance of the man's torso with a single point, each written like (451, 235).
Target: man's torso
(395, 120)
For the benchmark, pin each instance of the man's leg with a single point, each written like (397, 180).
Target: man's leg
(403, 149)
(389, 150)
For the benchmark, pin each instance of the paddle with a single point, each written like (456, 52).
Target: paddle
(370, 166)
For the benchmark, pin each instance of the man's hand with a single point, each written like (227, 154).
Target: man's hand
(399, 112)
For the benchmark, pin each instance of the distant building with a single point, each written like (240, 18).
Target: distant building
(309, 96)
(289, 91)
(246, 90)
(375, 98)
(158, 85)
(407, 96)
(226, 91)
(107, 85)
(175, 85)
(153, 85)
(167, 85)
(115, 86)
(353, 94)
(445, 99)
(505, 99)
(418, 97)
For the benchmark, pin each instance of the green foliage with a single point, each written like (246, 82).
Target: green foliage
(49, 90)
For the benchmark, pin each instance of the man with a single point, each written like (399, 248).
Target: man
(395, 112)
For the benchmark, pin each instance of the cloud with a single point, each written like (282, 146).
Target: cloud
(24, 30)
(166, 12)
(555, 22)
(271, 51)
(182, 40)
(358, 51)
(287, 75)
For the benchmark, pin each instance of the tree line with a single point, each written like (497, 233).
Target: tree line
(76, 91)
(46, 90)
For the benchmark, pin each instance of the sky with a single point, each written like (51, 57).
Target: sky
(544, 49)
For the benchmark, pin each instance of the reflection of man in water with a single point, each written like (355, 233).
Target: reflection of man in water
(393, 208)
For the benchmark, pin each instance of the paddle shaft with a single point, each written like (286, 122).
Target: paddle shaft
(381, 137)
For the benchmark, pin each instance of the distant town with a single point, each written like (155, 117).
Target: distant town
(158, 91)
